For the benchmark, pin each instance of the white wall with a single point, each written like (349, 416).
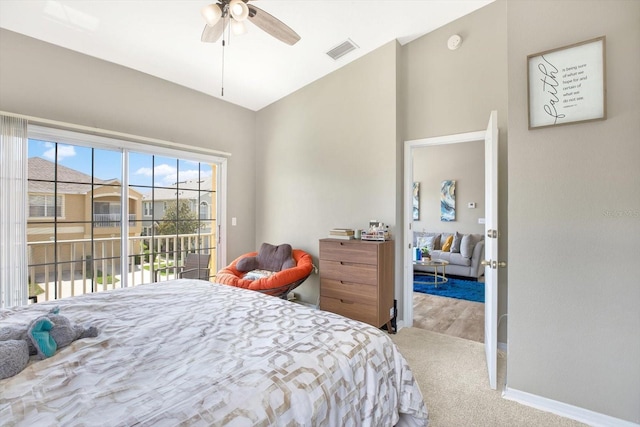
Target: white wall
(574, 219)
(463, 163)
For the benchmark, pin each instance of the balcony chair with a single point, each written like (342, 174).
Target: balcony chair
(196, 266)
(273, 270)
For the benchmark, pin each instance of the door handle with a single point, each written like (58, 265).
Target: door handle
(493, 264)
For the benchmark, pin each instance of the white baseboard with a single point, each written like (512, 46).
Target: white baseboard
(582, 415)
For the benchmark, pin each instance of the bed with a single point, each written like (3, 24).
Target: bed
(194, 353)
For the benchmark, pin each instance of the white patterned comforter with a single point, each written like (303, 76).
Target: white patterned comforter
(193, 353)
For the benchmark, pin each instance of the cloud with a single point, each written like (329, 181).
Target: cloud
(64, 151)
(168, 175)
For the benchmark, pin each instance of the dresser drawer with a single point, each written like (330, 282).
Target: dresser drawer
(349, 272)
(355, 310)
(357, 251)
(348, 291)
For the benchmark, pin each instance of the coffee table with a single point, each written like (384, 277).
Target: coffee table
(438, 279)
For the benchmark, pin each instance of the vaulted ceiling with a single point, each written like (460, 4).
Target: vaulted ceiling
(162, 38)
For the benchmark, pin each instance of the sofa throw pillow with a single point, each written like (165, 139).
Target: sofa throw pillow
(447, 244)
(426, 242)
(466, 246)
(455, 246)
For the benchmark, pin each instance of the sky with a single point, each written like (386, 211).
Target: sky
(108, 164)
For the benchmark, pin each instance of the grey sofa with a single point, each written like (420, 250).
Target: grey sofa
(464, 260)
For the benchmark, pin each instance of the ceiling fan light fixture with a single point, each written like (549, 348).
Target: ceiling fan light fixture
(238, 28)
(212, 14)
(238, 10)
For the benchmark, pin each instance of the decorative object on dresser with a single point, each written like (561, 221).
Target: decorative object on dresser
(357, 280)
(342, 233)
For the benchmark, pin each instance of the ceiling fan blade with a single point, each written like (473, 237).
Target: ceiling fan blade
(272, 25)
(212, 34)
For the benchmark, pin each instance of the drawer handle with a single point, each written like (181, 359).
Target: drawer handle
(346, 301)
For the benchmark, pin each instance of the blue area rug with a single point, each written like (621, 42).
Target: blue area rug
(455, 288)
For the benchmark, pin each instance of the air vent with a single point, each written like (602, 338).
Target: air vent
(342, 49)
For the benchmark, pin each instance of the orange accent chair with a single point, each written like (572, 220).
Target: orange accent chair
(273, 270)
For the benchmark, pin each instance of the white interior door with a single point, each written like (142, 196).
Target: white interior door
(491, 248)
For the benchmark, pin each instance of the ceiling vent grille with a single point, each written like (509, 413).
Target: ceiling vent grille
(342, 49)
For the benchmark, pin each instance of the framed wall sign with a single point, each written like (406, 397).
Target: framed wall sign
(567, 85)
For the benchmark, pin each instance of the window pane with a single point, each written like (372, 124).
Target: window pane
(165, 171)
(108, 166)
(140, 169)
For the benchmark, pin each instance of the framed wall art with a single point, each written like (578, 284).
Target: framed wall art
(448, 201)
(567, 85)
(416, 201)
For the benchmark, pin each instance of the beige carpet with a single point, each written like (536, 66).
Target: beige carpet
(452, 375)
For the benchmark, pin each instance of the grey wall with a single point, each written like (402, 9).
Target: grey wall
(42, 80)
(326, 157)
(574, 219)
(463, 163)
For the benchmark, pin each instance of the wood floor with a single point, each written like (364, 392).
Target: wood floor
(450, 316)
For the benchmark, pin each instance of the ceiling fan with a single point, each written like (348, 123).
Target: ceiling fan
(235, 12)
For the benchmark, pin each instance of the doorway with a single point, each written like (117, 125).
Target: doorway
(438, 309)
(490, 138)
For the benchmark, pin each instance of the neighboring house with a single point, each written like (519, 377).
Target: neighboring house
(66, 212)
(198, 193)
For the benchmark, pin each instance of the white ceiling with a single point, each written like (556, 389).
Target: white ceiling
(162, 38)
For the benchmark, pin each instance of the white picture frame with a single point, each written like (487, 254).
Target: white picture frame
(567, 85)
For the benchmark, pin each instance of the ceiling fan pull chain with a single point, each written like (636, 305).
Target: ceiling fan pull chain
(222, 81)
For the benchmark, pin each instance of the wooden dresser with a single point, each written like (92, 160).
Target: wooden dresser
(357, 280)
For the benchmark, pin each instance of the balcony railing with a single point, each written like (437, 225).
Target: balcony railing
(111, 220)
(80, 270)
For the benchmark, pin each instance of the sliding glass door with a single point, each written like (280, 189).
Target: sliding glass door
(105, 213)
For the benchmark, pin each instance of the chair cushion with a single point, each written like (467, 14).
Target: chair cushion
(270, 257)
(247, 264)
(275, 258)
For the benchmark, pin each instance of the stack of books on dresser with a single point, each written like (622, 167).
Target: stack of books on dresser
(342, 233)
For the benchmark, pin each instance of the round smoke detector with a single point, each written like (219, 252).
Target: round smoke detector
(454, 42)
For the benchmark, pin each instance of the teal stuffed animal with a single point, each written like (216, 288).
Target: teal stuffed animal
(44, 336)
